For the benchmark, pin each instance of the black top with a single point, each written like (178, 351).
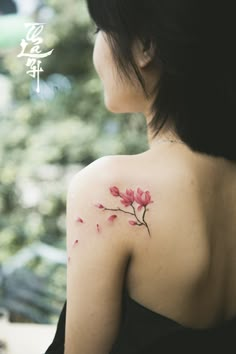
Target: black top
(146, 332)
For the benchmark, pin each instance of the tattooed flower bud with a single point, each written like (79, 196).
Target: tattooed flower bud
(115, 191)
(133, 223)
(99, 206)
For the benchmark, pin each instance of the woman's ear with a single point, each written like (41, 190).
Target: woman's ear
(143, 52)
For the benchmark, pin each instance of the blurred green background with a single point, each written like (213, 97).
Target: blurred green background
(45, 138)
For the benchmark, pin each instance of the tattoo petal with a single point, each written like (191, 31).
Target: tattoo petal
(112, 218)
(80, 220)
(133, 223)
(75, 243)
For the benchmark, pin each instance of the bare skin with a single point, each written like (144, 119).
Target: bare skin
(187, 270)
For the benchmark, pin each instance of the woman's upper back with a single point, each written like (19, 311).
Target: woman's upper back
(186, 270)
(180, 283)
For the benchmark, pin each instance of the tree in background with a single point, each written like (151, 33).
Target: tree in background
(45, 138)
(7, 7)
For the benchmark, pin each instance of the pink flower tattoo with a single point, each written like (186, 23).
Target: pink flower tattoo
(128, 199)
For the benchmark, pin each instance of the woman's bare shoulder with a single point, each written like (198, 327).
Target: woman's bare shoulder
(157, 198)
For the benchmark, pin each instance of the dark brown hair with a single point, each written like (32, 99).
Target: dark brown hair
(194, 41)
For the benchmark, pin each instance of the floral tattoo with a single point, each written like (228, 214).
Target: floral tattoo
(137, 200)
(141, 198)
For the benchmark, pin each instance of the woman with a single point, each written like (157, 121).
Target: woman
(151, 238)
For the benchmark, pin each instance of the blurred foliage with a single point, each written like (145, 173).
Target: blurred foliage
(46, 138)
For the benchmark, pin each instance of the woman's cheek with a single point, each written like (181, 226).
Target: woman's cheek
(98, 55)
(95, 59)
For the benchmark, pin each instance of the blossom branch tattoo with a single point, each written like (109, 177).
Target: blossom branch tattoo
(143, 199)
(137, 200)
